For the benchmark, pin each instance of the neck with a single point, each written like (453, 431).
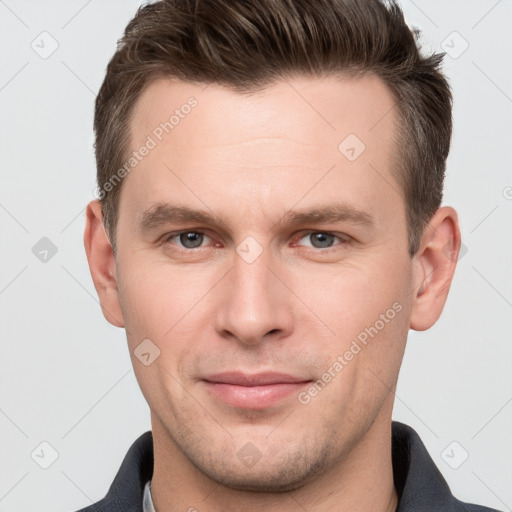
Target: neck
(361, 481)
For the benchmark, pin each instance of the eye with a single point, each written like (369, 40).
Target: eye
(187, 239)
(323, 239)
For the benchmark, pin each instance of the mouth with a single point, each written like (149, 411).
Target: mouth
(253, 391)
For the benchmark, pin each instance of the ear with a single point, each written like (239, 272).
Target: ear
(102, 264)
(434, 266)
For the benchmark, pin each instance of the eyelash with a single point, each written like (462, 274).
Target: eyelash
(344, 239)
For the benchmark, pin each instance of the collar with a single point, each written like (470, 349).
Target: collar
(147, 500)
(419, 484)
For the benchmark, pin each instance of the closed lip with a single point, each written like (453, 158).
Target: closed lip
(255, 379)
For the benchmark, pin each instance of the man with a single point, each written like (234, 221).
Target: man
(269, 229)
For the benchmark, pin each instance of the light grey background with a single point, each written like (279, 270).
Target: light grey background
(65, 373)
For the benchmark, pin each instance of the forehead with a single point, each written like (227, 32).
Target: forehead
(301, 108)
(274, 141)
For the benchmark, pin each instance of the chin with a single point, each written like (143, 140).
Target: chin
(286, 472)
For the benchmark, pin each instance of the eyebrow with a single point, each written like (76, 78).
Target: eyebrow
(162, 213)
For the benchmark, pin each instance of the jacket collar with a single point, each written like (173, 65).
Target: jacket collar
(419, 484)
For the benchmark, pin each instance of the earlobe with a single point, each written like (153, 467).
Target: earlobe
(434, 267)
(102, 264)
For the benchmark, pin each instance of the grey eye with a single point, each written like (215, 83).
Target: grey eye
(321, 240)
(191, 239)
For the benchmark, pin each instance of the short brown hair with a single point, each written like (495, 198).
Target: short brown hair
(246, 45)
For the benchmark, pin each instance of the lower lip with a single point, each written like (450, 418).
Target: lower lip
(254, 397)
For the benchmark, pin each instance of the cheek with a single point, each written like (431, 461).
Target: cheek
(361, 363)
(160, 304)
(352, 298)
(157, 299)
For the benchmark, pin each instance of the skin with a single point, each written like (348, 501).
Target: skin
(248, 160)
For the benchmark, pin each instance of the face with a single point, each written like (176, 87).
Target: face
(262, 249)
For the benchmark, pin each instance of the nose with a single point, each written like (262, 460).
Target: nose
(254, 303)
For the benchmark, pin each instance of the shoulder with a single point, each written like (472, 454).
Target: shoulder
(420, 485)
(127, 490)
